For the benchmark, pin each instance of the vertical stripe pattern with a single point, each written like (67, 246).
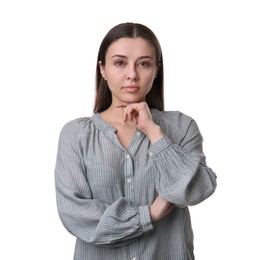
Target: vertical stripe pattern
(104, 191)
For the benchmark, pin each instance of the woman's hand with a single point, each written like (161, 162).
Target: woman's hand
(160, 208)
(139, 115)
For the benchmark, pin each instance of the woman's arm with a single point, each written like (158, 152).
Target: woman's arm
(183, 176)
(85, 217)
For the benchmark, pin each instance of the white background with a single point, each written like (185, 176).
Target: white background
(215, 64)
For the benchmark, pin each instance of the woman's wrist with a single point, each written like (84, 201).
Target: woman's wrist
(154, 133)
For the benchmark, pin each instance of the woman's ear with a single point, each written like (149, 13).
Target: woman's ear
(102, 69)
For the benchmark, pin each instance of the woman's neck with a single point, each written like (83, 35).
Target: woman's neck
(114, 114)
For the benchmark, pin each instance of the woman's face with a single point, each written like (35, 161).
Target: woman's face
(130, 68)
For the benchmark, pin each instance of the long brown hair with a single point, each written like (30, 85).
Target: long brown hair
(154, 98)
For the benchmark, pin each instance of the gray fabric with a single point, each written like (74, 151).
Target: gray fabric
(104, 191)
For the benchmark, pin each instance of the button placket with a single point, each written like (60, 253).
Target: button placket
(129, 180)
(128, 177)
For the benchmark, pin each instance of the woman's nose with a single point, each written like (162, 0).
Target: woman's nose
(132, 72)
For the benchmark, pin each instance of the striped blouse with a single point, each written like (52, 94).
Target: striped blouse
(104, 191)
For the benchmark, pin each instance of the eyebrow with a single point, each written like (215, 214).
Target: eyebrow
(125, 57)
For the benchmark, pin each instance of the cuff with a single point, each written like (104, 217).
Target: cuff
(159, 146)
(145, 218)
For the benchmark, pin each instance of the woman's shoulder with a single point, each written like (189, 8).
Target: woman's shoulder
(175, 123)
(76, 127)
(172, 117)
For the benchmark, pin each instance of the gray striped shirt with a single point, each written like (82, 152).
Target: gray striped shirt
(104, 191)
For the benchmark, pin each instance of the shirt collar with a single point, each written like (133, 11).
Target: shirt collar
(102, 124)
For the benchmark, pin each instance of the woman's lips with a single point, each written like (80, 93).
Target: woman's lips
(131, 89)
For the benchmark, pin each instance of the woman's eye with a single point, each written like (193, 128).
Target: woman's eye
(144, 64)
(119, 63)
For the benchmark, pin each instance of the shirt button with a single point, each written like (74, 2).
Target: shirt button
(134, 258)
(129, 180)
(128, 156)
(138, 134)
(151, 153)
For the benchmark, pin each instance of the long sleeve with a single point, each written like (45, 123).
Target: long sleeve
(183, 178)
(87, 218)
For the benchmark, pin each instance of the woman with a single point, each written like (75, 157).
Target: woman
(126, 175)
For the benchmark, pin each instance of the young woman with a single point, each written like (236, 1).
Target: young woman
(126, 175)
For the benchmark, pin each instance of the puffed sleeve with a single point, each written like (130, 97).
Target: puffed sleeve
(183, 178)
(85, 217)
